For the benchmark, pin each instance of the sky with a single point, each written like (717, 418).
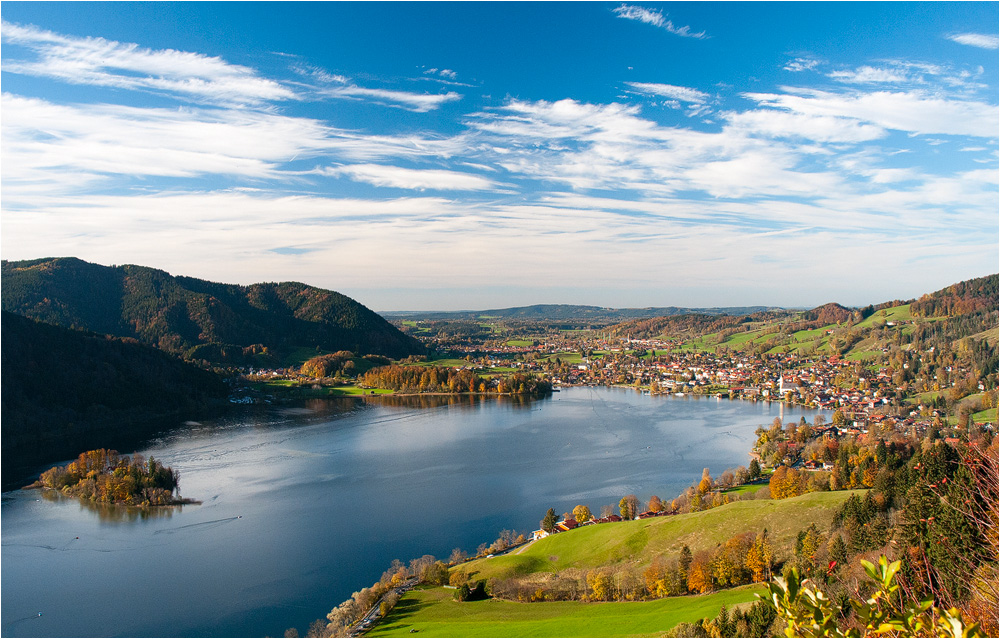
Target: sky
(446, 156)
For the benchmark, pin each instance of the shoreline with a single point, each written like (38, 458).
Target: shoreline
(180, 501)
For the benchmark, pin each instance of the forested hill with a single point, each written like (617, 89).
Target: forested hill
(197, 319)
(63, 391)
(962, 298)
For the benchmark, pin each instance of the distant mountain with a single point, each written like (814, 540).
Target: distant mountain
(63, 391)
(570, 312)
(197, 319)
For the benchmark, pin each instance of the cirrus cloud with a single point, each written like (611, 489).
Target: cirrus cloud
(981, 40)
(100, 62)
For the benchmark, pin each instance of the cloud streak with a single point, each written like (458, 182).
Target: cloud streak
(100, 62)
(981, 40)
(684, 94)
(417, 102)
(657, 19)
(418, 179)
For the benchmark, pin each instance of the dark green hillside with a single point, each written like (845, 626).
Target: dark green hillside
(64, 391)
(200, 320)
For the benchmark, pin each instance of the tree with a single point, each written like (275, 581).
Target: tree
(754, 469)
(705, 485)
(699, 576)
(786, 482)
(729, 565)
(655, 504)
(629, 507)
(685, 559)
(809, 612)
(838, 550)
(548, 522)
(741, 476)
(581, 514)
(760, 558)
(600, 584)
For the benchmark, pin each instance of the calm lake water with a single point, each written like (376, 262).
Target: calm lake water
(301, 507)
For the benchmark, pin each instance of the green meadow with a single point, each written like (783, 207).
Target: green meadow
(641, 541)
(433, 612)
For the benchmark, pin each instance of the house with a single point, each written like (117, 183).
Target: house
(539, 534)
(566, 524)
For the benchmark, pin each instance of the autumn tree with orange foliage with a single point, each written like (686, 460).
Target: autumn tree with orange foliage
(786, 482)
(699, 576)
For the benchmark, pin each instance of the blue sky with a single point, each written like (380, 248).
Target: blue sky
(481, 155)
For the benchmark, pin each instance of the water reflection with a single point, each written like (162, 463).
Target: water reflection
(470, 401)
(114, 513)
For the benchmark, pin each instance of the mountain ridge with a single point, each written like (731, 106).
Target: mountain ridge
(197, 319)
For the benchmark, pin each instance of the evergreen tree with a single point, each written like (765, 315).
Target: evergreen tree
(548, 522)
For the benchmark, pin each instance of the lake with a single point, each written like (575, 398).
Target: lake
(302, 506)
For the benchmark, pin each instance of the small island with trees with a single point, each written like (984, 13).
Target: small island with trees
(104, 476)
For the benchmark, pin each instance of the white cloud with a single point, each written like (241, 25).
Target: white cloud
(981, 40)
(523, 121)
(54, 147)
(870, 75)
(316, 73)
(402, 178)
(418, 102)
(912, 111)
(607, 241)
(671, 91)
(655, 18)
(100, 62)
(801, 64)
(821, 128)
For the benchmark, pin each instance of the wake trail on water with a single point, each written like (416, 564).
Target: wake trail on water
(593, 407)
(207, 525)
(20, 621)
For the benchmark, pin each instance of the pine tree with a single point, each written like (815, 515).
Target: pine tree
(548, 522)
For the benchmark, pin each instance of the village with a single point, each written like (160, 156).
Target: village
(857, 394)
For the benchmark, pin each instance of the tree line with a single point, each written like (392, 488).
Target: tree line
(435, 379)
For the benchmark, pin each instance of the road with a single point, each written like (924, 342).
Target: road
(366, 622)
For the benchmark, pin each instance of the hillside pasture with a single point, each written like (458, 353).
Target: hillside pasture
(433, 612)
(639, 542)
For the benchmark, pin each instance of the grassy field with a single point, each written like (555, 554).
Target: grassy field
(983, 416)
(640, 541)
(746, 488)
(432, 612)
(445, 362)
(860, 356)
(288, 388)
(568, 357)
(520, 342)
(894, 314)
